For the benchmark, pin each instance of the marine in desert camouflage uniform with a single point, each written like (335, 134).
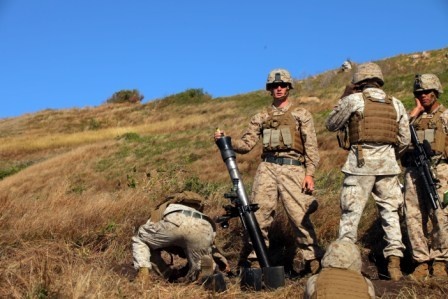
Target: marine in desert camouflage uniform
(289, 162)
(371, 166)
(340, 276)
(346, 66)
(429, 242)
(177, 226)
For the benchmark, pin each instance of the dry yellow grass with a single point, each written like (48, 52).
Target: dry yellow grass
(25, 144)
(66, 220)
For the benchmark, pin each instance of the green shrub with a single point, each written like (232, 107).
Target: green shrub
(130, 136)
(13, 169)
(94, 124)
(125, 96)
(194, 184)
(189, 96)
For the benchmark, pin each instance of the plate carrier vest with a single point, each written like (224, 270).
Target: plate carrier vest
(431, 128)
(378, 124)
(337, 283)
(280, 132)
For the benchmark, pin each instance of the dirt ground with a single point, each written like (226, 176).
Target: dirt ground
(374, 267)
(384, 288)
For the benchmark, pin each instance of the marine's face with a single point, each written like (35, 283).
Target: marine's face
(279, 90)
(427, 98)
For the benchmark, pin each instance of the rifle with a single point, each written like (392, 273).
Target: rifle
(422, 155)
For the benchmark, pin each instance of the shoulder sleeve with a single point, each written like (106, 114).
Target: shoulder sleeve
(404, 133)
(343, 110)
(370, 288)
(444, 119)
(251, 135)
(308, 131)
(310, 287)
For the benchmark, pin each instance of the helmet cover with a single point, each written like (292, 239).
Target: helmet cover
(368, 71)
(427, 82)
(279, 76)
(343, 255)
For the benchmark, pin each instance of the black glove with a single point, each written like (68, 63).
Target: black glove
(349, 89)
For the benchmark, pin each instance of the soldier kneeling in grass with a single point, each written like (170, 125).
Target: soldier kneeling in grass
(178, 226)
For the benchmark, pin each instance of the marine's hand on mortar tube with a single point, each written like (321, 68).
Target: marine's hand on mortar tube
(218, 134)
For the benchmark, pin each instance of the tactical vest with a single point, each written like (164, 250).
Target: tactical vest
(431, 128)
(340, 284)
(378, 123)
(280, 132)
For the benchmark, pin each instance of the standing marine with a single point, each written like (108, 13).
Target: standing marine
(374, 128)
(286, 171)
(429, 242)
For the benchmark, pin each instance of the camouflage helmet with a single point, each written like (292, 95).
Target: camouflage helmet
(279, 76)
(427, 82)
(367, 71)
(343, 255)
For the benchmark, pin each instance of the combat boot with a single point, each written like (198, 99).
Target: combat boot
(248, 263)
(207, 268)
(254, 264)
(394, 268)
(439, 269)
(298, 263)
(421, 271)
(143, 275)
(314, 266)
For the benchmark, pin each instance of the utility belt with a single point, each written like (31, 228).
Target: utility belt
(282, 161)
(194, 214)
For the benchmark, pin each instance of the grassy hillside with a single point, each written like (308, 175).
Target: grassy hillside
(75, 184)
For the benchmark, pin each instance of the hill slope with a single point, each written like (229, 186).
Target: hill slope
(75, 184)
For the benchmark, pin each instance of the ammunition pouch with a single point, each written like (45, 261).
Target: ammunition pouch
(343, 140)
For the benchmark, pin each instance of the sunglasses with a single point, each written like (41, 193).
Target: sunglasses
(419, 93)
(282, 85)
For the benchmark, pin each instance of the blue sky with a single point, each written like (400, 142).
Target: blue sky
(64, 54)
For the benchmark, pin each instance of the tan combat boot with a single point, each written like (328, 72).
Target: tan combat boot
(298, 263)
(421, 271)
(439, 269)
(143, 275)
(314, 266)
(207, 268)
(255, 264)
(394, 268)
